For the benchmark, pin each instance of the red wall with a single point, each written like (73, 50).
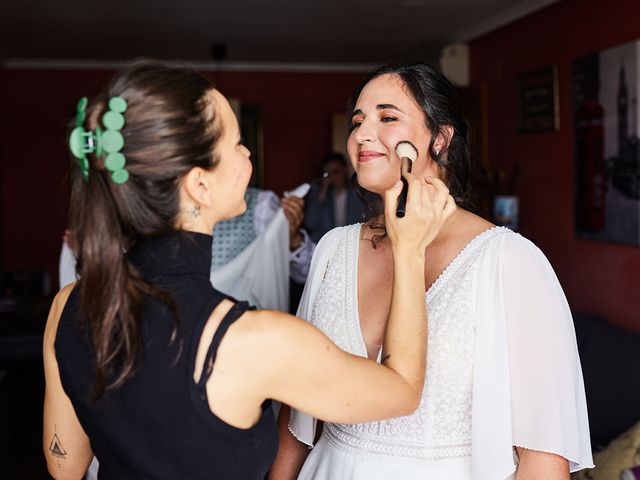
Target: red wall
(36, 104)
(597, 277)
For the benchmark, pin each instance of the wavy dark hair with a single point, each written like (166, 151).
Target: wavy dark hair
(441, 106)
(169, 130)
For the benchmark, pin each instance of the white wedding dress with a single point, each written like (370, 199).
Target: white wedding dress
(502, 368)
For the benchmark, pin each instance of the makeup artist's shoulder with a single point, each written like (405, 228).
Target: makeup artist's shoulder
(271, 331)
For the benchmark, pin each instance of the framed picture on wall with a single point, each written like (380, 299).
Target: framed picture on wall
(605, 89)
(537, 101)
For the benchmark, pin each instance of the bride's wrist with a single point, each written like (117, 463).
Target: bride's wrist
(408, 254)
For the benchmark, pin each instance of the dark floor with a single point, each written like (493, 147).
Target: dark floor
(21, 397)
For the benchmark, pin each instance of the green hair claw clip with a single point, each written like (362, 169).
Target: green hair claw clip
(82, 142)
(109, 141)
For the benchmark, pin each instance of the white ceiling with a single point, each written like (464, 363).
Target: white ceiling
(276, 31)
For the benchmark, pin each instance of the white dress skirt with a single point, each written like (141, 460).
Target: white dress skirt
(502, 368)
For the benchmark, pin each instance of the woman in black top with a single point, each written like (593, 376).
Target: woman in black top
(147, 365)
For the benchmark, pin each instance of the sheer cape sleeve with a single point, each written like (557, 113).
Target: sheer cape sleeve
(301, 425)
(528, 389)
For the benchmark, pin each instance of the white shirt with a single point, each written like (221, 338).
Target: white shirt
(267, 205)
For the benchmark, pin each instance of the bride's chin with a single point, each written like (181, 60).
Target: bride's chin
(378, 187)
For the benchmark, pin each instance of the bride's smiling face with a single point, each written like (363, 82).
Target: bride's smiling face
(384, 115)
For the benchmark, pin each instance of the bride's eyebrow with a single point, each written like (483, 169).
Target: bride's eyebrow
(387, 106)
(381, 106)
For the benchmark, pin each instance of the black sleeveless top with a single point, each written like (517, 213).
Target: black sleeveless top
(158, 425)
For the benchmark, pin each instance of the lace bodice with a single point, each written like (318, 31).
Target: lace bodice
(441, 426)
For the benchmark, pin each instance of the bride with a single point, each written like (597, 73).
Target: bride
(504, 395)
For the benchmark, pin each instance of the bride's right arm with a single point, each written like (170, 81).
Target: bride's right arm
(292, 453)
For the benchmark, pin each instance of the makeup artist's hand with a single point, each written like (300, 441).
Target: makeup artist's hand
(425, 213)
(293, 208)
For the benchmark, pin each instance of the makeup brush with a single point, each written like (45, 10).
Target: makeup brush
(408, 154)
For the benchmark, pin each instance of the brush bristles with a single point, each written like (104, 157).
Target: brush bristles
(407, 150)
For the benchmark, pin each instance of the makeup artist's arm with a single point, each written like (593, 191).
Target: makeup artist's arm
(65, 444)
(306, 369)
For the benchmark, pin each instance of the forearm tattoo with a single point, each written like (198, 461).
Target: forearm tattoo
(55, 447)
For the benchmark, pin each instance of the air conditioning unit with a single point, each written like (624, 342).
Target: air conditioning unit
(454, 63)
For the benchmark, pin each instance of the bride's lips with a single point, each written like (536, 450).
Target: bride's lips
(368, 155)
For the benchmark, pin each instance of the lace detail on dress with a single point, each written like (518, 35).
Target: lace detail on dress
(441, 426)
(345, 440)
(334, 298)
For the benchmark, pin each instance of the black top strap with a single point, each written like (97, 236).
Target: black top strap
(232, 315)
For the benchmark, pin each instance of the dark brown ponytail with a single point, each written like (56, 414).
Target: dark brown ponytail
(170, 128)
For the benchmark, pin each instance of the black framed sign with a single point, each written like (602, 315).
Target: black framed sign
(537, 100)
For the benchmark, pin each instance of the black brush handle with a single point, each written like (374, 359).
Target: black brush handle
(402, 199)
